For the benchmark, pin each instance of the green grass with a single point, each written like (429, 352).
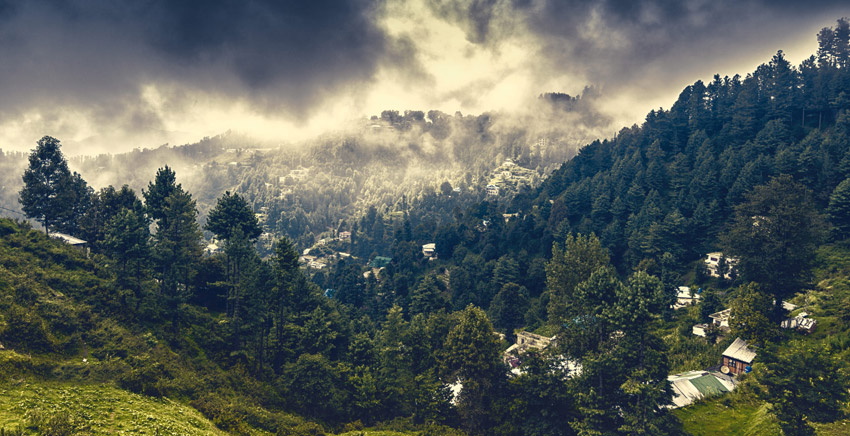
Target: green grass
(741, 417)
(722, 417)
(374, 433)
(97, 410)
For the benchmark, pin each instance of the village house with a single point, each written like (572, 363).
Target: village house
(492, 190)
(525, 341)
(509, 216)
(686, 297)
(712, 262)
(344, 236)
(801, 323)
(380, 262)
(738, 358)
(429, 250)
(72, 241)
(721, 319)
(696, 385)
(211, 248)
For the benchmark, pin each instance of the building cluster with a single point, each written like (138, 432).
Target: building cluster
(508, 177)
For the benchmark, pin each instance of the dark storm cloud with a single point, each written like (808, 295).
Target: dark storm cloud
(295, 48)
(613, 40)
(281, 55)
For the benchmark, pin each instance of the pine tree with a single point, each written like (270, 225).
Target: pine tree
(163, 186)
(232, 211)
(127, 239)
(774, 236)
(473, 358)
(752, 314)
(839, 209)
(177, 250)
(571, 263)
(48, 194)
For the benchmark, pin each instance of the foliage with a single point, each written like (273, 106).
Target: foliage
(231, 212)
(572, 263)
(49, 193)
(839, 209)
(751, 316)
(774, 236)
(804, 383)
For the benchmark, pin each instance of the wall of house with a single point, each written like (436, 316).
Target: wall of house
(735, 366)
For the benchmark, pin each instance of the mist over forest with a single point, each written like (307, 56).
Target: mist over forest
(388, 161)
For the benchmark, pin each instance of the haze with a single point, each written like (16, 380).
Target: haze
(113, 76)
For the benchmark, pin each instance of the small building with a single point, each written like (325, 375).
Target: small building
(380, 262)
(429, 250)
(211, 248)
(317, 264)
(712, 262)
(343, 236)
(696, 385)
(801, 322)
(524, 342)
(72, 241)
(738, 358)
(492, 190)
(68, 239)
(699, 329)
(686, 297)
(721, 319)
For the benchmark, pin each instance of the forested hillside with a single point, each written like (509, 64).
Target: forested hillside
(306, 190)
(415, 340)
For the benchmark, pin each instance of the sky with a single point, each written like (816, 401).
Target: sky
(110, 76)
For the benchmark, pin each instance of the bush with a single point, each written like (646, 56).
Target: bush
(57, 424)
(304, 429)
(26, 331)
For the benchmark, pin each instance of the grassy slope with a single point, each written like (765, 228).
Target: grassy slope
(98, 410)
(44, 376)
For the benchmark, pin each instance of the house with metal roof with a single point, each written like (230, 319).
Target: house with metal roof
(72, 241)
(738, 358)
(696, 385)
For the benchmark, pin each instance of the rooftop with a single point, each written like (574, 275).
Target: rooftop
(740, 351)
(67, 238)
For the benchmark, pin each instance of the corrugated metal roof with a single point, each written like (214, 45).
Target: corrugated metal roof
(739, 351)
(695, 385)
(708, 385)
(67, 238)
(684, 392)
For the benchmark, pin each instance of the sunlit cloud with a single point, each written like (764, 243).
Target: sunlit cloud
(110, 77)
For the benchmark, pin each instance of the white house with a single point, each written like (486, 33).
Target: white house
(492, 190)
(721, 319)
(712, 262)
(685, 297)
(429, 250)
